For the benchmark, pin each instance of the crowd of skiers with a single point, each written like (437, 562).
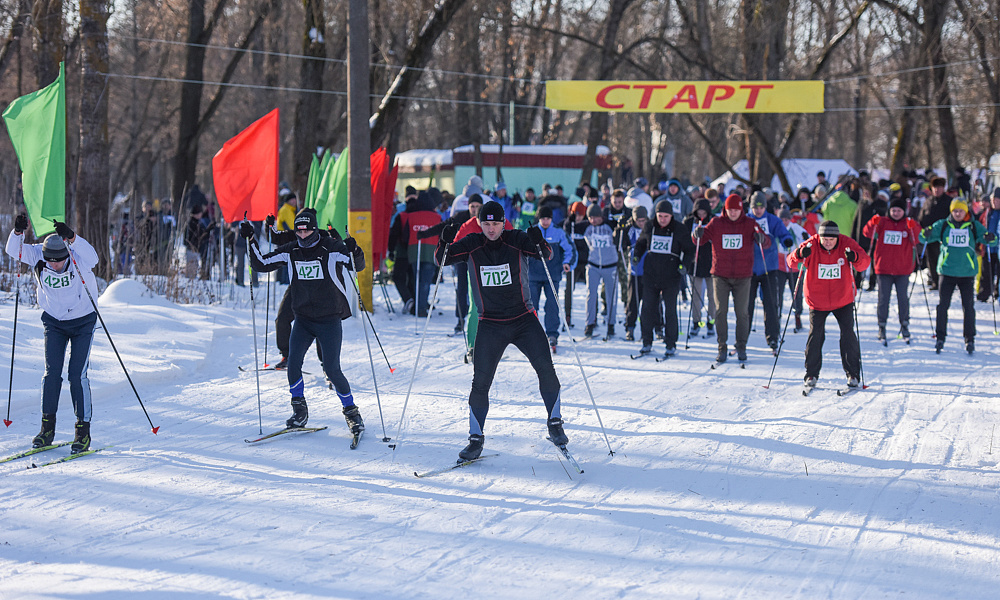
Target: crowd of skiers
(644, 249)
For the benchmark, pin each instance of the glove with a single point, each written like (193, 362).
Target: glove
(535, 235)
(758, 237)
(926, 232)
(63, 230)
(804, 251)
(269, 220)
(788, 243)
(350, 245)
(449, 232)
(682, 270)
(246, 230)
(20, 224)
(850, 255)
(989, 237)
(698, 232)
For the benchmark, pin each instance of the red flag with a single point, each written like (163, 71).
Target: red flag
(245, 171)
(383, 184)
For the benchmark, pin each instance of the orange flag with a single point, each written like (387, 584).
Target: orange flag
(245, 171)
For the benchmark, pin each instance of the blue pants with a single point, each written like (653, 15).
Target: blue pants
(551, 308)
(329, 335)
(78, 333)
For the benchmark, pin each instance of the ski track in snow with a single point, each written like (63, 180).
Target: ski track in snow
(718, 488)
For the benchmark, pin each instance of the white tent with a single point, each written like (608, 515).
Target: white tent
(800, 172)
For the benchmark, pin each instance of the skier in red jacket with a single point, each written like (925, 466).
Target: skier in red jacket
(828, 258)
(894, 240)
(733, 236)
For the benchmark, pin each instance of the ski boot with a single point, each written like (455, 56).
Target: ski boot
(556, 433)
(474, 449)
(881, 333)
(630, 334)
(904, 332)
(645, 349)
(723, 355)
(774, 348)
(553, 343)
(853, 381)
(611, 332)
(810, 382)
(460, 326)
(970, 345)
(353, 417)
(282, 364)
(741, 355)
(588, 331)
(798, 323)
(300, 413)
(44, 437)
(81, 442)
(939, 345)
(710, 328)
(695, 330)
(670, 351)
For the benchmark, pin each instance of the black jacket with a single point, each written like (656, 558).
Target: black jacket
(666, 249)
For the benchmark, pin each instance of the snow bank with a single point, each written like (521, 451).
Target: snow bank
(133, 293)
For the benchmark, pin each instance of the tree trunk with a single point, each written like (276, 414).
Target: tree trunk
(186, 157)
(598, 122)
(13, 41)
(49, 49)
(309, 118)
(902, 156)
(935, 15)
(90, 214)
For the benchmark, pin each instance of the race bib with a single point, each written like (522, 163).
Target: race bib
(601, 241)
(893, 238)
(495, 276)
(763, 226)
(732, 241)
(829, 271)
(55, 281)
(661, 244)
(958, 237)
(676, 204)
(309, 270)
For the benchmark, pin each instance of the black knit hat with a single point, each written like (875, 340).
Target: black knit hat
(544, 212)
(664, 206)
(898, 202)
(491, 211)
(306, 219)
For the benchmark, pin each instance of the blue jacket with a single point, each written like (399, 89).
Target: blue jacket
(771, 225)
(563, 253)
(993, 226)
(633, 237)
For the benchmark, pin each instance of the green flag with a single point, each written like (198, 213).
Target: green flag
(335, 212)
(319, 185)
(36, 124)
(310, 198)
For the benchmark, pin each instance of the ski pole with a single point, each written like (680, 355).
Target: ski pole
(420, 347)
(927, 304)
(697, 248)
(993, 302)
(857, 333)
(416, 289)
(791, 309)
(69, 245)
(913, 284)
(267, 294)
(256, 365)
(13, 341)
(552, 286)
(371, 361)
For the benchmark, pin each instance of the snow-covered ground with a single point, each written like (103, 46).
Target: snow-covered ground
(718, 488)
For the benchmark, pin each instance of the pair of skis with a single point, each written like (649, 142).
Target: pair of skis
(666, 355)
(34, 451)
(355, 437)
(464, 463)
(844, 391)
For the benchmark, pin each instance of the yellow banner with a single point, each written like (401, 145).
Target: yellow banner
(686, 96)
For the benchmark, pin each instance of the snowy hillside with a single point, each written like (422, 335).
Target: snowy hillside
(718, 488)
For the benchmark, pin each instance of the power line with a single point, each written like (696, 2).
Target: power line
(912, 70)
(254, 86)
(325, 59)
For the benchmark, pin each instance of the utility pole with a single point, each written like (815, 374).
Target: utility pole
(359, 140)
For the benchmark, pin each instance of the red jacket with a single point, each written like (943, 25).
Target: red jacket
(829, 283)
(895, 242)
(733, 245)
